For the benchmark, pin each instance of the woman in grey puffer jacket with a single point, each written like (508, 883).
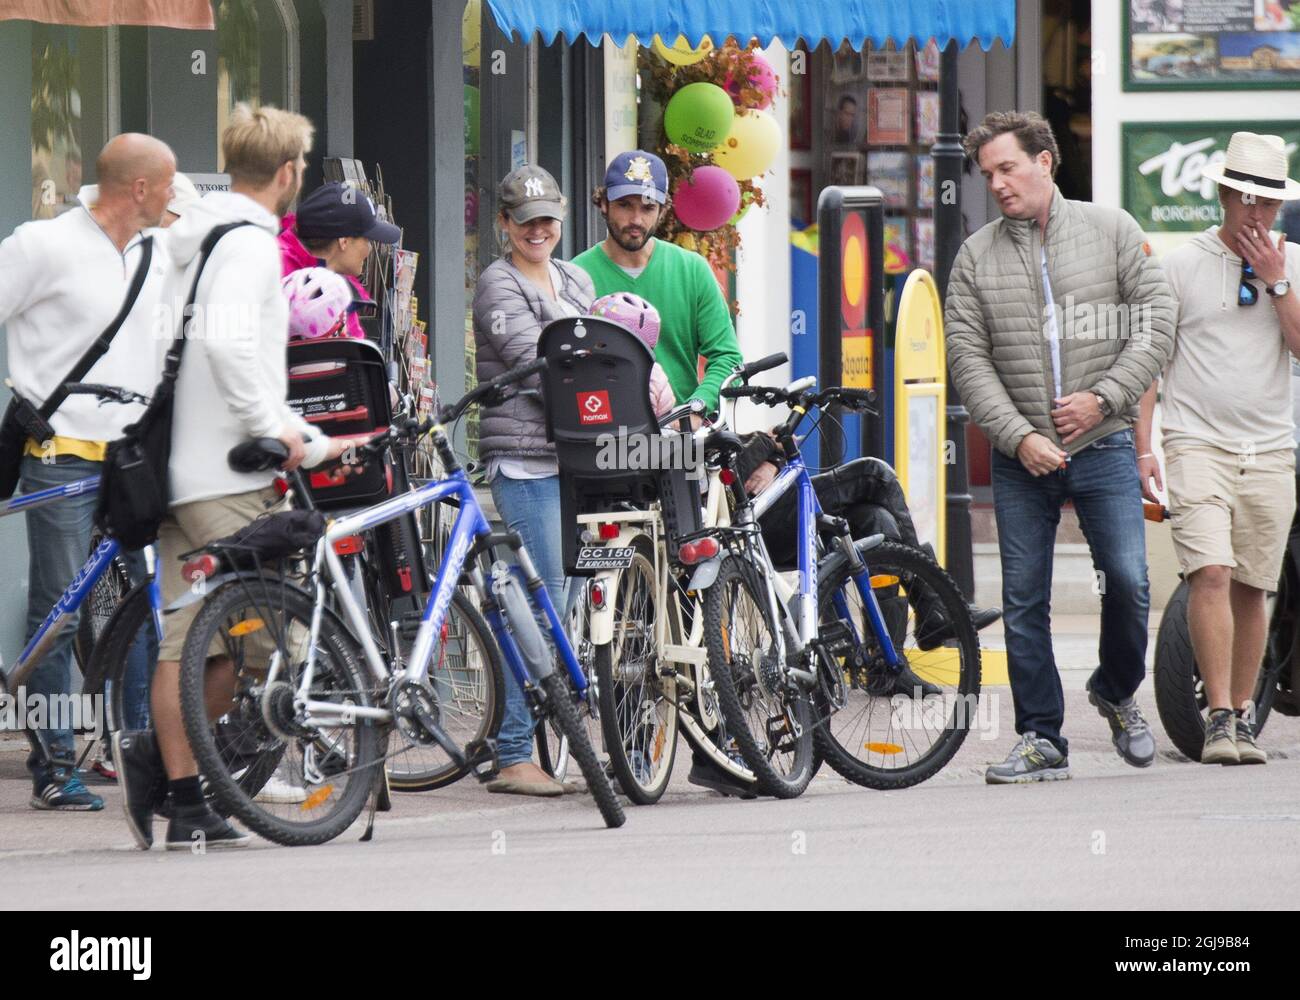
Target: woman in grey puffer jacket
(514, 299)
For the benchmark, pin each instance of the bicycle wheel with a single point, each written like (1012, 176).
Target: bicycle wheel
(637, 716)
(465, 672)
(882, 735)
(104, 598)
(560, 708)
(767, 714)
(552, 745)
(327, 771)
(128, 632)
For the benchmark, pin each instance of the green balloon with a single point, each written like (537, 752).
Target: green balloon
(699, 117)
(471, 121)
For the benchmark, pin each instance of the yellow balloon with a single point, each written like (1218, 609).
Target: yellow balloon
(750, 147)
(471, 27)
(681, 53)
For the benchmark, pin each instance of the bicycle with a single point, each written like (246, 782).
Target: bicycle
(814, 662)
(103, 645)
(639, 620)
(310, 684)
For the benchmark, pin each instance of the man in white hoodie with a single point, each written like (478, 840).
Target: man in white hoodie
(1227, 430)
(62, 281)
(231, 388)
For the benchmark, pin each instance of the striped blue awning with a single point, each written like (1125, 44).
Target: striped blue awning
(858, 21)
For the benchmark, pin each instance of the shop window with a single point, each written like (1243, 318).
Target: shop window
(72, 95)
(257, 46)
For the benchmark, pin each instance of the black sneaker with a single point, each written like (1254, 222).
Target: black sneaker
(885, 684)
(62, 790)
(200, 829)
(710, 776)
(144, 781)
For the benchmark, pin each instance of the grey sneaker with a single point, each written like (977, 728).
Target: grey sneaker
(1032, 759)
(1128, 730)
(1220, 745)
(1248, 751)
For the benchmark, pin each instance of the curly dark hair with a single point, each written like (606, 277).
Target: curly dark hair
(1031, 130)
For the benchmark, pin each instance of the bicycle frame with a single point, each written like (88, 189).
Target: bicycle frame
(469, 529)
(803, 599)
(76, 592)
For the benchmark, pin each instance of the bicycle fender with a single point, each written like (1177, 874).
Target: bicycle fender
(211, 584)
(600, 621)
(704, 575)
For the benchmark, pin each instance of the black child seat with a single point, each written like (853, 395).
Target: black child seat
(340, 387)
(596, 388)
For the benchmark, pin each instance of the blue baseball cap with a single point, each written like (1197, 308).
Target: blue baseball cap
(335, 209)
(637, 173)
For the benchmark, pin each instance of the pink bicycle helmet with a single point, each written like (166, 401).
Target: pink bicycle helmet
(631, 311)
(319, 301)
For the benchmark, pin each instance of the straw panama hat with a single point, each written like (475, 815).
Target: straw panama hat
(1257, 165)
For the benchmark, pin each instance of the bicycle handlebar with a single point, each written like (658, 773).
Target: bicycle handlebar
(490, 391)
(106, 393)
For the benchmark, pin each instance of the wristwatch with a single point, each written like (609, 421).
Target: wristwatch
(1279, 289)
(1102, 404)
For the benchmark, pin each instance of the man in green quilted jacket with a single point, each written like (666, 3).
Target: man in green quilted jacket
(1057, 320)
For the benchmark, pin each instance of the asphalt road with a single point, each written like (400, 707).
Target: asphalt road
(1176, 835)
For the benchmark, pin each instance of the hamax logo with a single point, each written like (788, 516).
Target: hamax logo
(593, 408)
(102, 954)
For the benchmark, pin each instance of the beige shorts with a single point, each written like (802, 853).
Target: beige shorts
(1231, 510)
(191, 526)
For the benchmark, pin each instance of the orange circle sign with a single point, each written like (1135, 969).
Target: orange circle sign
(853, 271)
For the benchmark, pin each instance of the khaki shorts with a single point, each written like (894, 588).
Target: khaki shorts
(1231, 510)
(191, 526)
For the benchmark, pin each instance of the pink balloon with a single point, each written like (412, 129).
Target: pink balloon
(761, 75)
(706, 199)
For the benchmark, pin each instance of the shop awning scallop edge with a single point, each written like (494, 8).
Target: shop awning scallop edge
(857, 21)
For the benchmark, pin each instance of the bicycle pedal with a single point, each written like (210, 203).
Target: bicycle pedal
(482, 759)
(836, 638)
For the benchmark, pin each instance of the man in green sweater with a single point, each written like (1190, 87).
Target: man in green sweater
(693, 314)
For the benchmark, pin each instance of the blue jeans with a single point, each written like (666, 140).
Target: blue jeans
(58, 541)
(530, 507)
(1102, 481)
(142, 658)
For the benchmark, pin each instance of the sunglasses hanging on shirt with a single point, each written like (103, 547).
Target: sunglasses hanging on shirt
(1247, 294)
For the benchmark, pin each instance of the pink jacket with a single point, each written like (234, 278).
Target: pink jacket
(294, 256)
(661, 393)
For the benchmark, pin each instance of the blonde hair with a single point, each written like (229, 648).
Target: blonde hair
(259, 141)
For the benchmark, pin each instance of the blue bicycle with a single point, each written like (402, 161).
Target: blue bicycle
(286, 653)
(874, 669)
(116, 622)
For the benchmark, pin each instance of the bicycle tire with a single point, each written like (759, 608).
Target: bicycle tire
(914, 569)
(97, 610)
(1179, 690)
(626, 675)
(559, 706)
(106, 668)
(336, 656)
(493, 695)
(736, 684)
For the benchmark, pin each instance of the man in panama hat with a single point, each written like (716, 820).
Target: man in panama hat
(1228, 429)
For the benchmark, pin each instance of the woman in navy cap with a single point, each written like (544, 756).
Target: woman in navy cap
(515, 297)
(334, 227)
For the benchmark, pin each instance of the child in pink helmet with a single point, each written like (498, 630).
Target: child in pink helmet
(639, 316)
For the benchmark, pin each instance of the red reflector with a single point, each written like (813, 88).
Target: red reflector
(281, 486)
(706, 548)
(200, 568)
(608, 531)
(689, 554)
(597, 596)
(349, 545)
(727, 476)
(404, 578)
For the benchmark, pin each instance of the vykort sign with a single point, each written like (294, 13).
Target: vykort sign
(1165, 189)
